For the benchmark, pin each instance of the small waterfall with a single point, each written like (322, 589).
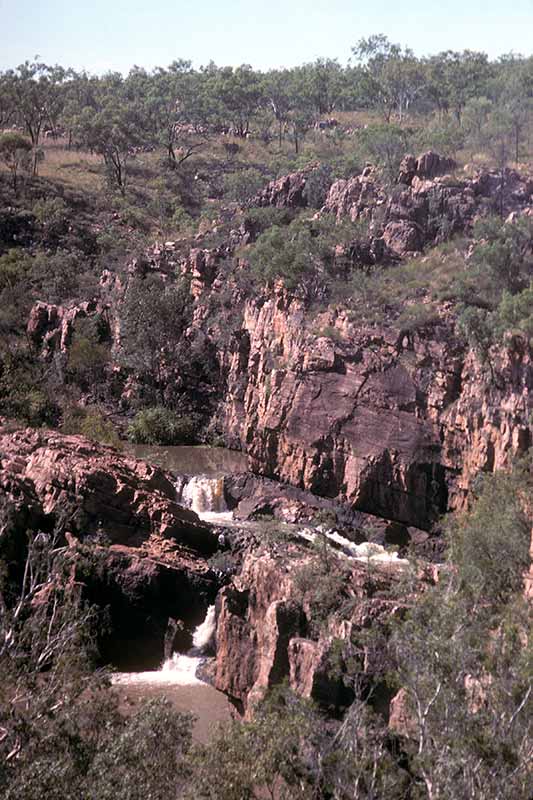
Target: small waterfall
(179, 669)
(205, 496)
(203, 634)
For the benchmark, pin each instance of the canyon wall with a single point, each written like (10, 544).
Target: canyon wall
(393, 422)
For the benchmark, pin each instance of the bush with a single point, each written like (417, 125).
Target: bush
(90, 423)
(489, 546)
(317, 186)
(243, 185)
(161, 426)
(52, 213)
(516, 312)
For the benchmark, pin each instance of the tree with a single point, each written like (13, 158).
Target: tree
(277, 89)
(38, 98)
(153, 321)
(463, 655)
(497, 137)
(62, 735)
(386, 145)
(175, 110)
(7, 100)
(240, 93)
(322, 84)
(113, 130)
(393, 76)
(15, 152)
(454, 78)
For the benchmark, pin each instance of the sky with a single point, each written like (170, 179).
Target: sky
(102, 35)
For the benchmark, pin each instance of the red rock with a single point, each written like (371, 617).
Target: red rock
(128, 500)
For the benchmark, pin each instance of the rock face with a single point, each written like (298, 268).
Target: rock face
(391, 422)
(263, 631)
(127, 500)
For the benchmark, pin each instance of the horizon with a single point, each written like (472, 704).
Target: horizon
(165, 31)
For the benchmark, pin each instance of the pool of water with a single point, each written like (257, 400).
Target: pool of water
(214, 462)
(209, 706)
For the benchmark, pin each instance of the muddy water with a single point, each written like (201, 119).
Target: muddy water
(213, 462)
(209, 706)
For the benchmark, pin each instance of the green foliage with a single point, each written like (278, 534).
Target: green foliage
(52, 213)
(154, 317)
(88, 356)
(489, 546)
(515, 312)
(385, 145)
(475, 325)
(15, 266)
(15, 152)
(463, 655)
(323, 585)
(162, 426)
(243, 185)
(63, 736)
(92, 423)
(317, 184)
(444, 136)
(23, 393)
(505, 252)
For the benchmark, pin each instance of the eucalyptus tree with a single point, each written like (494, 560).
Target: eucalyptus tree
(279, 97)
(453, 78)
(177, 112)
(15, 152)
(239, 92)
(38, 96)
(113, 128)
(392, 76)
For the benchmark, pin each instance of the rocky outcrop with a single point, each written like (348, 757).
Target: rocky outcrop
(50, 327)
(287, 191)
(426, 166)
(263, 630)
(94, 489)
(429, 204)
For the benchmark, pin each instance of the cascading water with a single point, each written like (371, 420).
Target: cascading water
(204, 633)
(367, 552)
(179, 669)
(205, 496)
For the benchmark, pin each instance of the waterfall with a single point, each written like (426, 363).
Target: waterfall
(205, 496)
(179, 669)
(204, 633)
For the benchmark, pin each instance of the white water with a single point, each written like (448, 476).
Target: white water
(203, 635)
(179, 669)
(367, 552)
(205, 496)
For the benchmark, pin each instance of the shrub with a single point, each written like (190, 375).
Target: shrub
(52, 213)
(90, 423)
(317, 186)
(243, 185)
(516, 312)
(161, 426)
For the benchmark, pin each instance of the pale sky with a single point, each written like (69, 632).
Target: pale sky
(101, 35)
